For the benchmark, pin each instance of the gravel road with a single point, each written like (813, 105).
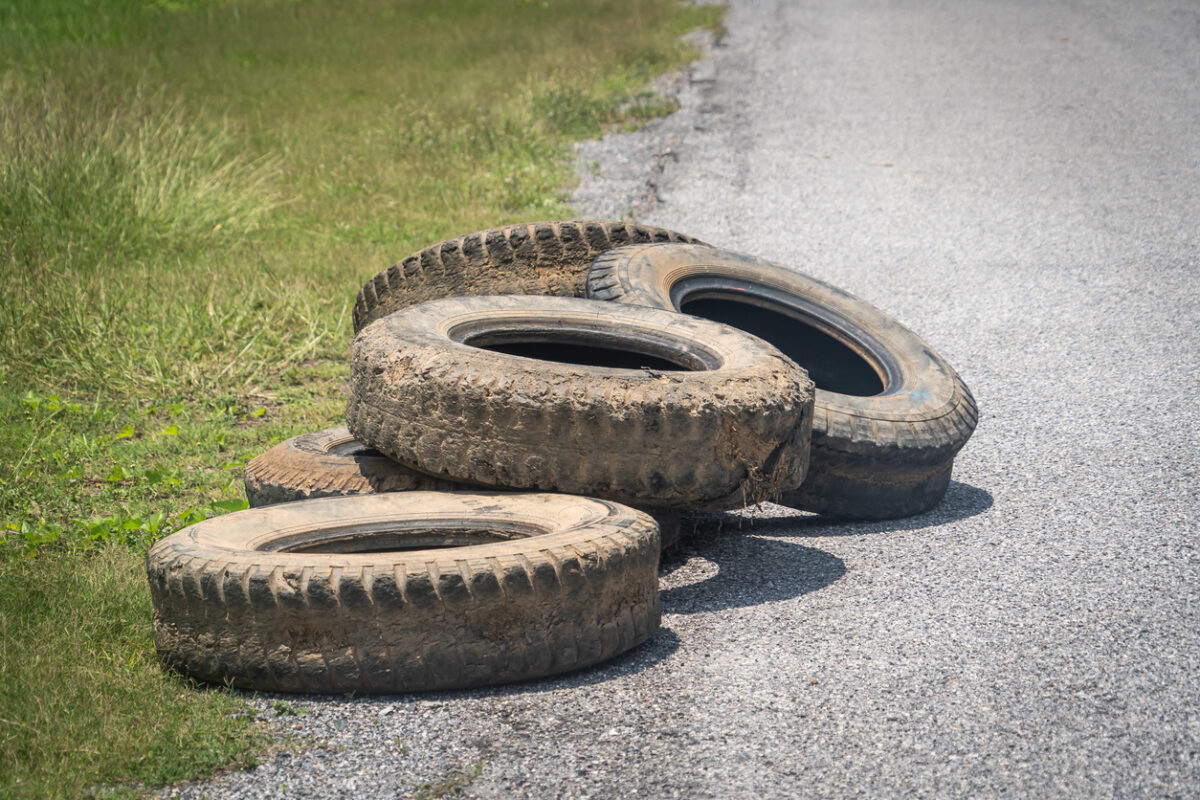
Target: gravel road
(1018, 182)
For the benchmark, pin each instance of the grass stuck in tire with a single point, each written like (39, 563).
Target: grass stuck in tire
(191, 194)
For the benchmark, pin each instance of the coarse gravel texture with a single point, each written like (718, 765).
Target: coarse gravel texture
(1020, 184)
(622, 175)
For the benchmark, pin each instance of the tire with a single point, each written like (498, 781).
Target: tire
(332, 463)
(539, 258)
(329, 463)
(716, 419)
(539, 584)
(890, 413)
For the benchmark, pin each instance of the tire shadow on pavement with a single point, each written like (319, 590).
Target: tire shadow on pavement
(723, 560)
(717, 572)
(962, 501)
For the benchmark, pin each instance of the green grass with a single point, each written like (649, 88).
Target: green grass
(112, 713)
(191, 193)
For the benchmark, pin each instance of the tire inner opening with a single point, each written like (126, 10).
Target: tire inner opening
(353, 448)
(832, 364)
(594, 351)
(392, 541)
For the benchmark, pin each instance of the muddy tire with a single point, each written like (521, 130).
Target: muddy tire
(328, 595)
(329, 463)
(637, 405)
(332, 463)
(890, 413)
(540, 258)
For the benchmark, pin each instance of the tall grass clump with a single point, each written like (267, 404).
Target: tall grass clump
(101, 205)
(82, 186)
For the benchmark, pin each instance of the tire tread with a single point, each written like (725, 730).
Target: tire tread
(528, 258)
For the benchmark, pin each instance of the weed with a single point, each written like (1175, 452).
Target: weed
(282, 708)
(450, 785)
(115, 184)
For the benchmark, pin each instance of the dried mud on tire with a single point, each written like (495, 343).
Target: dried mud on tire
(723, 420)
(318, 596)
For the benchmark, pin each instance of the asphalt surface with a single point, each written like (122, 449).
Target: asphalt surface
(1018, 182)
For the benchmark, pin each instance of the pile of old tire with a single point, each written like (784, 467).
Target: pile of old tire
(493, 368)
